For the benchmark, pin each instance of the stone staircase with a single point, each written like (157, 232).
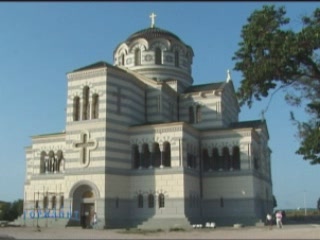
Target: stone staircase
(165, 224)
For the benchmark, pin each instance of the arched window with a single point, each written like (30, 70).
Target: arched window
(226, 158)
(135, 156)
(59, 160)
(45, 202)
(190, 160)
(42, 162)
(156, 155)
(191, 157)
(52, 162)
(140, 201)
(161, 200)
(145, 156)
(54, 202)
(206, 160)
(166, 155)
(95, 106)
(176, 58)
(198, 113)
(158, 57)
(122, 59)
(76, 108)
(61, 202)
(85, 103)
(256, 163)
(150, 201)
(137, 57)
(215, 159)
(191, 114)
(194, 160)
(236, 158)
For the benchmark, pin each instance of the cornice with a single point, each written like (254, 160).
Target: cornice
(87, 73)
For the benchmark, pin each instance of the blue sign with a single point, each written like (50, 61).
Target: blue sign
(38, 213)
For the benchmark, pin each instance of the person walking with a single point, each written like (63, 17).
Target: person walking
(269, 221)
(95, 220)
(279, 219)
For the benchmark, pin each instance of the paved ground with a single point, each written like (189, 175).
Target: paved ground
(306, 231)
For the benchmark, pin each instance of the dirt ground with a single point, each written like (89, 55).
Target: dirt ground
(302, 231)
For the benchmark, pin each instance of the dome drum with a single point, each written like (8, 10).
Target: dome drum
(155, 49)
(148, 58)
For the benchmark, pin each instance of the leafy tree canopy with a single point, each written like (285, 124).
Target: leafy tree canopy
(10, 211)
(273, 57)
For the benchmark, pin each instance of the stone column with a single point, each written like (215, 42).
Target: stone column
(161, 154)
(140, 155)
(151, 155)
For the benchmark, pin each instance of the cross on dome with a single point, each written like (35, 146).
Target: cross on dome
(228, 75)
(152, 16)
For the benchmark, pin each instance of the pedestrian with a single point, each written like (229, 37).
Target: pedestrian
(95, 220)
(269, 221)
(279, 219)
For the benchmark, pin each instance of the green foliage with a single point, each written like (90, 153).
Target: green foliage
(272, 57)
(11, 211)
(302, 216)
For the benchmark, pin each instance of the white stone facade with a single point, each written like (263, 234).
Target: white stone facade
(143, 147)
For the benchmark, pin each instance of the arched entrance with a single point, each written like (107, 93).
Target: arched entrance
(83, 196)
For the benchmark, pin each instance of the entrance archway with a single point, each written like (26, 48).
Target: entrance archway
(84, 195)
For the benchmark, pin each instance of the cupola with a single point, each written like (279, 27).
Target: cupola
(156, 53)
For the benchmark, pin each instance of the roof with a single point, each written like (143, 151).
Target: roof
(96, 65)
(204, 87)
(49, 134)
(151, 33)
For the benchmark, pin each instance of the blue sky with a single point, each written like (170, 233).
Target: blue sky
(42, 41)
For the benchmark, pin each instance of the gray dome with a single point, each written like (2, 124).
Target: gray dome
(152, 33)
(157, 54)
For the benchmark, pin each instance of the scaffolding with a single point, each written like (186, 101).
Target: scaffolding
(46, 196)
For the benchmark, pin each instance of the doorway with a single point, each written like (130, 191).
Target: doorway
(87, 212)
(84, 205)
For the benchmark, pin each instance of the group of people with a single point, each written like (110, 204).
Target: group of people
(279, 215)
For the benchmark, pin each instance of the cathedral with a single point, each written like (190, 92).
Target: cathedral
(144, 147)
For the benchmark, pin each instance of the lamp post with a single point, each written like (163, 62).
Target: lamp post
(38, 227)
(304, 201)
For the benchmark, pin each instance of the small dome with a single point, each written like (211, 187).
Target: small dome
(157, 54)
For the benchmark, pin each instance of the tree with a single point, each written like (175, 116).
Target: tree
(318, 204)
(272, 57)
(11, 211)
